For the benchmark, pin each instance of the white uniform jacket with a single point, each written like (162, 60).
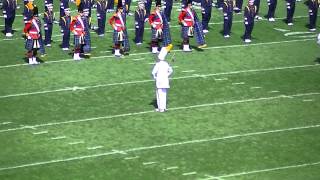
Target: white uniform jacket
(161, 72)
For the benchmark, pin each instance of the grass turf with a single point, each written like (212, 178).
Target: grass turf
(230, 110)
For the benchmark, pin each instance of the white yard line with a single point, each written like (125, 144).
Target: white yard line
(238, 83)
(150, 80)
(148, 163)
(189, 173)
(153, 147)
(94, 147)
(40, 132)
(5, 123)
(129, 158)
(274, 91)
(137, 54)
(188, 71)
(171, 109)
(256, 87)
(170, 168)
(267, 170)
(307, 100)
(76, 142)
(138, 59)
(58, 137)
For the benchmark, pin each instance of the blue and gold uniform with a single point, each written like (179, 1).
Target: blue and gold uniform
(48, 18)
(206, 9)
(101, 16)
(272, 9)
(9, 13)
(313, 13)
(249, 15)
(228, 6)
(291, 6)
(65, 29)
(167, 8)
(139, 17)
(64, 4)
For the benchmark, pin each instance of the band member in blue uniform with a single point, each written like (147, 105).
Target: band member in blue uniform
(110, 6)
(206, 9)
(257, 4)
(313, 13)
(101, 16)
(148, 4)
(77, 27)
(291, 6)
(32, 33)
(64, 4)
(272, 9)
(228, 6)
(28, 11)
(160, 31)
(190, 25)
(86, 48)
(117, 21)
(219, 4)
(128, 4)
(48, 18)
(249, 15)
(139, 17)
(46, 2)
(9, 13)
(87, 4)
(167, 8)
(238, 7)
(65, 29)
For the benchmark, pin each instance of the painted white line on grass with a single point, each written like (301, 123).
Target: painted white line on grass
(256, 87)
(188, 71)
(138, 59)
(119, 152)
(5, 123)
(307, 100)
(148, 163)
(95, 147)
(274, 91)
(76, 142)
(238, 83)
(270, 170)
(220, 79)
(171, 109)
(151, 63)
(150, 80)
(130, 158)
(40, 132)
(170, 168)
(152, 147)
(189, 173)
(137, 54)
(281, 30)
(58, 137)
(175, 66)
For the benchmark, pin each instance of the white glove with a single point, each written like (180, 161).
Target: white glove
(5, 16)
(185, 24)
(246, 23)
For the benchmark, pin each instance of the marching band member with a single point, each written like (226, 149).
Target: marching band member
(48, 18)
(32, 34)
(139, 17)
(272, 9)
(65, 22)
(64, 4)
(206, 9)
(101, 16)
(77, 27)
(313, 13)
(228, 6)
(86, 48)
(9, 13)
(189, 26)
(291, 6)
(249, 15)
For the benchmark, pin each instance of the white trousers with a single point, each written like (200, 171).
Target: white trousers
(162, 98)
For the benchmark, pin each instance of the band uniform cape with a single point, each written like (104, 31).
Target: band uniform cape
(166, 36)
(198, 30)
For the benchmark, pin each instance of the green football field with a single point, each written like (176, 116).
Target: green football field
(235, 111)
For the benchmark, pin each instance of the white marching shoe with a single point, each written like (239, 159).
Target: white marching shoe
(76, 56)
(9, 35)
(247, 40)
(155, 50)
(117, 52)
(34, 60)
(186, 48)
(30, 61)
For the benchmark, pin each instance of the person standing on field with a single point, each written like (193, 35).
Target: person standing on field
(161, 73)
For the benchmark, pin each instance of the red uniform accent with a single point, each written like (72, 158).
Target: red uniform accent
(115, 21)
(31, 31)
(76, 26)
(186, 17)
(155, 19)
